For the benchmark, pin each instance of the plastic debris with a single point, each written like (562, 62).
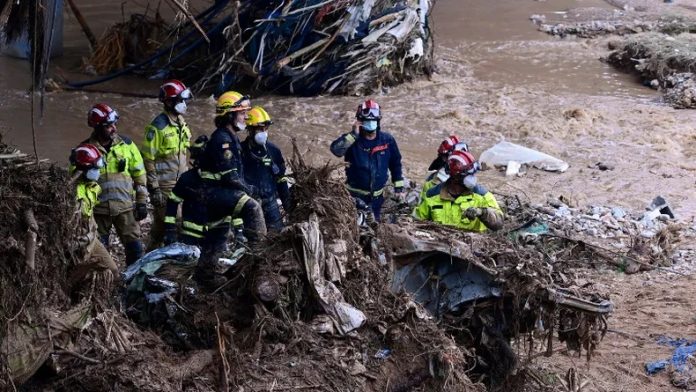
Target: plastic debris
(503, 153)
(684, 350)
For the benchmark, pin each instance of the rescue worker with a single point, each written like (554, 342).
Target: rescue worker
(166, 141)
(122, 176)
(460, 201)
(87, 162)
(222, 160)
(264, 168)
(191, 192)
(208, 207)
(439, 164)
(371, 153)
(223, 156)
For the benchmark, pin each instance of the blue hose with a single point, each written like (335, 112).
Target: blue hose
(208, 14)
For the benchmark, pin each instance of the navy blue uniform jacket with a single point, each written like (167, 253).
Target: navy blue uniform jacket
(369, 161)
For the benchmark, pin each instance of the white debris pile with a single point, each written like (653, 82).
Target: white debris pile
(654, 234)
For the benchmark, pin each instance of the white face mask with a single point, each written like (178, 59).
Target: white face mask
(180, 108)
(92, 174)
(469, 181)
(240, 125)
(261, 137)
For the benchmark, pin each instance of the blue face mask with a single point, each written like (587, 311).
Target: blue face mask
(370, 125)
(92, 174)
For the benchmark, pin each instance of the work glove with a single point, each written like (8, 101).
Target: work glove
(169, 235)
(140, 211)
(473, 212)
(157, 198)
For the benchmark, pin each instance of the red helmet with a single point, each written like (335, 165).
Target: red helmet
(462, 163)
(174, 89)
(447, 145)
(101, 114)
(368, 110)
(87, 156)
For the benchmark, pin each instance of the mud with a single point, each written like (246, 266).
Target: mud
(512, 83)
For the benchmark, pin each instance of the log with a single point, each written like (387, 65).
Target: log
(83, 24)
(191, 19)
(285, 61)
(30, 243)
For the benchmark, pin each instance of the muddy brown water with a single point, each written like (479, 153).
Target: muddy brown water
(498, 78)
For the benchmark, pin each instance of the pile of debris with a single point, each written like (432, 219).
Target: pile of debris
(395, 307)
(593, 23)
(632, 242)
(51, 330)
(306, 47)
(127, 43)
(314, 47)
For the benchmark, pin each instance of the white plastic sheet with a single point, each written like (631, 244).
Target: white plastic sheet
(345, 316)
(504, 152)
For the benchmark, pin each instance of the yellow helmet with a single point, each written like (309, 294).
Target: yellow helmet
(232, 101)
(258, 117)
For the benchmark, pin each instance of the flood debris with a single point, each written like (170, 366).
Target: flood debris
(298, 47)
(632, 242)
(680, 364)
(594, 23)
(667, 59)
(446, 310)
(127, 43)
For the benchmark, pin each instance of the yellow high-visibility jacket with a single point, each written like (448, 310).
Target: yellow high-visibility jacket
(121, 178)
(87, 196)
(440, 207)
(164, 149)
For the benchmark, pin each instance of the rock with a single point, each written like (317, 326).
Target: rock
(604, 166)
(618, 213)
(563, 211)
(647, 234)
(655, 84)
(556, 203)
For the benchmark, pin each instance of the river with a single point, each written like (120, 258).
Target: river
(497, 78)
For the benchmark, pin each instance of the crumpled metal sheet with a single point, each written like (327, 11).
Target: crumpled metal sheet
(443, 283)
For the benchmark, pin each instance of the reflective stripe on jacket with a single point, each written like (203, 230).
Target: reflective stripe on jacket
(439, 207)
(123, 172)
(190, 191)
(369, 162)
(164, 150)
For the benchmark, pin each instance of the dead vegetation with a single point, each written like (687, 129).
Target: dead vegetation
(280, 322)
(127, 43)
